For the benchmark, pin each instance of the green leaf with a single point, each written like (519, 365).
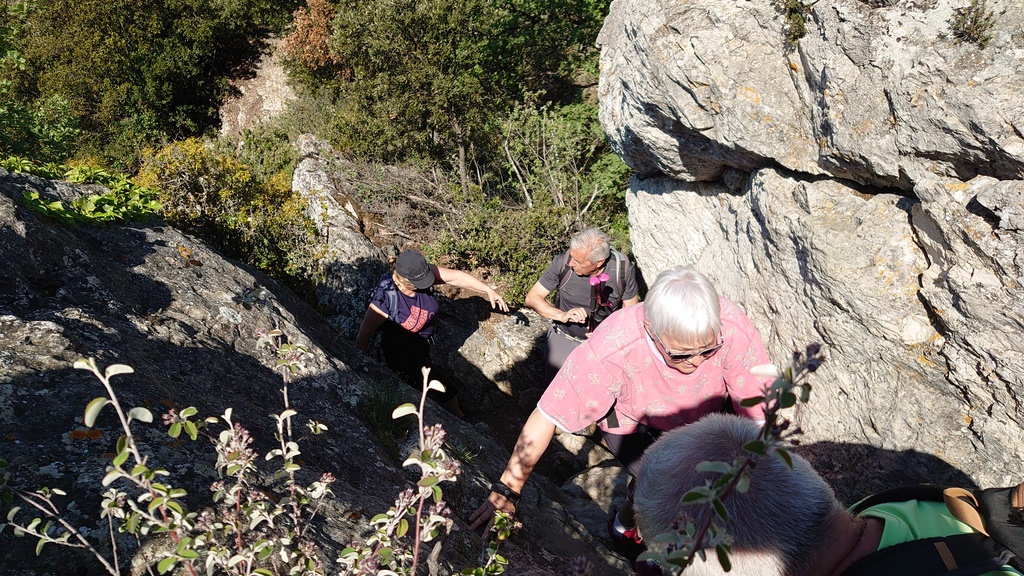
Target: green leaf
(403, 410)
(437, 493)
(189, 412)
(403, 528)
(696, 495)
(110, 477)
(115, 369)
(788, 400)
(39, 546)
(131, 525)
(140, 414)
(166, 564)
(748, 402)
(121, 458)
(93, 410)
(723, 557)
(175, 430)
(784, 455)
(427, 481)
(13, 511)
(191, 430)
(720, 509)
(756, 447)
(715, 467)
(743, 484)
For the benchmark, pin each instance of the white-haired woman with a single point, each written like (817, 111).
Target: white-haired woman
(647, 369)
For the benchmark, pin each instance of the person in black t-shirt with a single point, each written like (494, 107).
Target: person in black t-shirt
(590, 256)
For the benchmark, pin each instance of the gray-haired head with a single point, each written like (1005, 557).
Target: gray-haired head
(682, 305)
(779, 526)
(594, 241)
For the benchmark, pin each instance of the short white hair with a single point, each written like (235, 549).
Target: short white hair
(682, 305)
(595, 241)
(779, 526)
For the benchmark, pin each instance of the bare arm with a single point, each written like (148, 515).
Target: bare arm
(372, 320)
(532, 443)
(631, 301)
(536, 299)
(463, 280)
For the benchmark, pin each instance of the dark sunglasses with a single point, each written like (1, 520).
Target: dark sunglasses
(680, 358)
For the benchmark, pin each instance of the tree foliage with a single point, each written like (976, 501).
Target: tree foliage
(44, 129)
(136, 71)
(426, 77)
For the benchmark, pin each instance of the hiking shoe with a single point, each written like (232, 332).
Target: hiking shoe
(626, 542)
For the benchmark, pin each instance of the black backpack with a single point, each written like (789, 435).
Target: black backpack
(996, 515)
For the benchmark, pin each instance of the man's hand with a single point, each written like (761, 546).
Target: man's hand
(574, 316)
(485, 513)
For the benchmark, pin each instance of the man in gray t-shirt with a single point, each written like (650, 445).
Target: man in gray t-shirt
(589, 255)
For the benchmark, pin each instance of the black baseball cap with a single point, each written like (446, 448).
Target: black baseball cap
(412, 266)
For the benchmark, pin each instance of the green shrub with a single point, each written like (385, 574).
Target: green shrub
(218, 196)
(973, 24)
(795, 12)
(42, 129)
(558, 177)
(124, 200)
(515, 243)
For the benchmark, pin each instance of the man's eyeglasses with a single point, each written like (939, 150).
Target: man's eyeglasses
(679, 358)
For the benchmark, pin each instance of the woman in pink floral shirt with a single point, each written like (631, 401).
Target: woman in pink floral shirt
(645, 370)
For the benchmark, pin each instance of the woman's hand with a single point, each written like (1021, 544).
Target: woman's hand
(485, 513)
(496, 300)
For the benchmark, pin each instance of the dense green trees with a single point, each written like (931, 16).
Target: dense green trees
(136, 71)
(434, 78)
(44, 128)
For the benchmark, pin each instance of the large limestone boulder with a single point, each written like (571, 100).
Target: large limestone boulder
(861, 189)
(874, 95)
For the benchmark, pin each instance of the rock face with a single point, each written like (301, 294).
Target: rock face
(260, 97)
(189, 321)
(350, 264)
(861, 189)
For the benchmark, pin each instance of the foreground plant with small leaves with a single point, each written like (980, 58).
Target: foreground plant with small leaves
(249, 532)
(674, 551)
(385, 553)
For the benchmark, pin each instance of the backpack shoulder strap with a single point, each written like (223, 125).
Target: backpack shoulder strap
(565, 269)
(929, 492)
(956, 555)
(620, 272)
(387, 285)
